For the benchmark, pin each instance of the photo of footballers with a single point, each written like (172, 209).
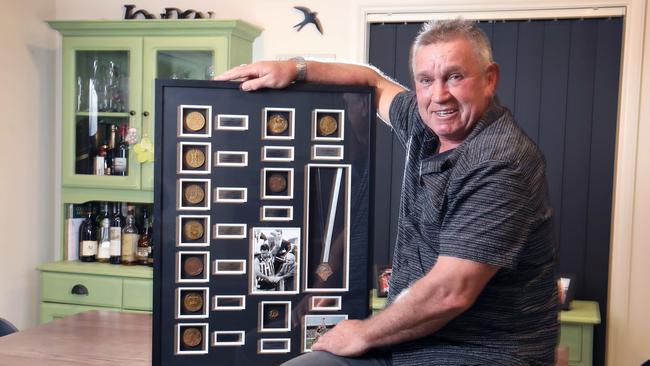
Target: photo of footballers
(275, 260)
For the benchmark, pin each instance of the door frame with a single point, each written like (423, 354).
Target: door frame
(628, 125)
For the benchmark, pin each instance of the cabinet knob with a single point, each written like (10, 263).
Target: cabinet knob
(132, 113)
(145, 113)
(79, 290)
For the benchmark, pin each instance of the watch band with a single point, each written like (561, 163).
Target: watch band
(301, 68)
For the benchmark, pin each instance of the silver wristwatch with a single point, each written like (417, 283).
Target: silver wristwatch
(301, 68)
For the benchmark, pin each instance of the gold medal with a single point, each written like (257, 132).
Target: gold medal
(327, 125)
(277, 124)
(273, 314)
(193, 229)
(193, 301)
(192, 337)
(194, 121)
(194, 158)
(194, 193)
(277, 183)
(193, 266)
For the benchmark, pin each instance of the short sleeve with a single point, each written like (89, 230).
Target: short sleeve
(404, 116)
(490, 216)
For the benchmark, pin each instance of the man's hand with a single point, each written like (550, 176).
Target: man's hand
(347, 338)
(263, 74)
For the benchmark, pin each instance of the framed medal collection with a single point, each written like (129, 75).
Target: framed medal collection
(262, 200)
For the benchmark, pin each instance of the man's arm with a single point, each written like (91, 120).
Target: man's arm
(279, 74)
(450, 288)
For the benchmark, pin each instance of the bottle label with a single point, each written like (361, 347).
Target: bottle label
(99, 165)
(104, 250)
(88, 248)
(119, 165)
(143, 253)
(115, 235)
(129, 244)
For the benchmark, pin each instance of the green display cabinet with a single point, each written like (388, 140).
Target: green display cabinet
(107, 79)
(109, 68)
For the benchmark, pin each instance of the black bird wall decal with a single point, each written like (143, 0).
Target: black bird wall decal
(310, 17)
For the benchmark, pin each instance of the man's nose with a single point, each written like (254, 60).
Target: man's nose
(439, 92)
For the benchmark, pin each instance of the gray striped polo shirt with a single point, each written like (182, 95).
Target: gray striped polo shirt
(485, 201)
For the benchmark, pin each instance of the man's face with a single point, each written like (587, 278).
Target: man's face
(453, 89)
(264, 253)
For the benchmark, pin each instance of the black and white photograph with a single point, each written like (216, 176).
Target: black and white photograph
(275, 260)
(315, 326)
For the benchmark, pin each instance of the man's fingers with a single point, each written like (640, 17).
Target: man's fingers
(239, 72)
(254, 84)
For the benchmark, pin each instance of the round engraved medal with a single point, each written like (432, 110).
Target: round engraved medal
(193, 266)
(277, 183)
(194, 121)
(194, 158)
(273, 314)
(194, 193)
(327, 125)
(277, 124)
(192, 337)
(193, 301)
(193, 229)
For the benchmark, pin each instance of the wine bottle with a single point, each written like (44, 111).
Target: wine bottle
(142, 254)
(102, 213)
(104, 246)
(110, 152)
(130, 236)
(88, 237)
(115, 234)
(150, 255)
(121, 154)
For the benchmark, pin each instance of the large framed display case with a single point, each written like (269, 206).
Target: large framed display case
(263, 204)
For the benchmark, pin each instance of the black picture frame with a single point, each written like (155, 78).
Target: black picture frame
(566, 288)
(233, 200)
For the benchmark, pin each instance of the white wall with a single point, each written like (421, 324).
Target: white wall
(26, 155)
(628, 323)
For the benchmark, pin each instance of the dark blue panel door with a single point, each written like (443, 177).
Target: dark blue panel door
(560, 79)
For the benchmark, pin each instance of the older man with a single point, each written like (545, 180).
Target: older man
(473, 270)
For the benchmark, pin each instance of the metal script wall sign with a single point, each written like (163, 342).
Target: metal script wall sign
(170, 13)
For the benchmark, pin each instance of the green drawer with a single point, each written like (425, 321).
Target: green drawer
(571, 336)
(100, 291)
(138, 294)
(51, 311)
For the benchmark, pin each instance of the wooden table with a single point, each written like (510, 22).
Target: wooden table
(90, 338)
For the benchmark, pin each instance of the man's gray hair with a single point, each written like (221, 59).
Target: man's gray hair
(444, 30)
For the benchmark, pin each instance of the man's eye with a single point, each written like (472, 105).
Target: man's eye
(425, 81)
(455, 77)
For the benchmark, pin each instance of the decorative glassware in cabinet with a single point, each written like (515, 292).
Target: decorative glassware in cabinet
(101, 108)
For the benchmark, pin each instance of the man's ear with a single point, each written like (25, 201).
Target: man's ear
(492, 76)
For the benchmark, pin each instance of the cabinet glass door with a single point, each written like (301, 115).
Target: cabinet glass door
(101, 85)
(101, 98)
(176, 58)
